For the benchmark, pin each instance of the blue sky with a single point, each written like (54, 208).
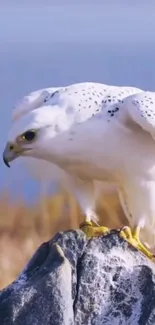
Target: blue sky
(77, 21)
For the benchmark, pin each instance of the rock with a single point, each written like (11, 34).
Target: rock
(72, 280)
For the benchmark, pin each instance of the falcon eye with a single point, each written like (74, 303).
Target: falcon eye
(29, 135)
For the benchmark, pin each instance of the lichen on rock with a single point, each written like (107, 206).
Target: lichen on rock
(75, 280)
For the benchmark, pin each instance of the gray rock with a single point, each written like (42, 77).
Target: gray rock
(72, 280)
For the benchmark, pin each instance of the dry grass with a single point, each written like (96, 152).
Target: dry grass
(23, 228)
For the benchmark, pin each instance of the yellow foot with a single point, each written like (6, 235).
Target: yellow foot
(92, 231)
(133, 239)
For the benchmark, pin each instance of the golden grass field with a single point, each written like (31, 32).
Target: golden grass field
(23, 228)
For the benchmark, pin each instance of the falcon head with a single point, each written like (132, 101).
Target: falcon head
(31, 134)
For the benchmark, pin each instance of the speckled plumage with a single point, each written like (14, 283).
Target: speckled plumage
(80, 102)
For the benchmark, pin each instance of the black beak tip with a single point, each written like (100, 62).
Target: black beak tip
(6, 162)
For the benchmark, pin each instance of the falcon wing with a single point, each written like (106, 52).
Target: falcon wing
(115, 95)
(141, 109)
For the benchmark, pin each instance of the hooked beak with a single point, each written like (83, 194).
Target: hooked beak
(11, 152)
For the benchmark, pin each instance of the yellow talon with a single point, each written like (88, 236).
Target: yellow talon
(133, 238)
(92, 231)
(126, 233)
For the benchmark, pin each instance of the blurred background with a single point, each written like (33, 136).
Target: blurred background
(54, 44)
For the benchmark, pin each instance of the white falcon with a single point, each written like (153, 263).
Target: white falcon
(90, 103)
(94, 132)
